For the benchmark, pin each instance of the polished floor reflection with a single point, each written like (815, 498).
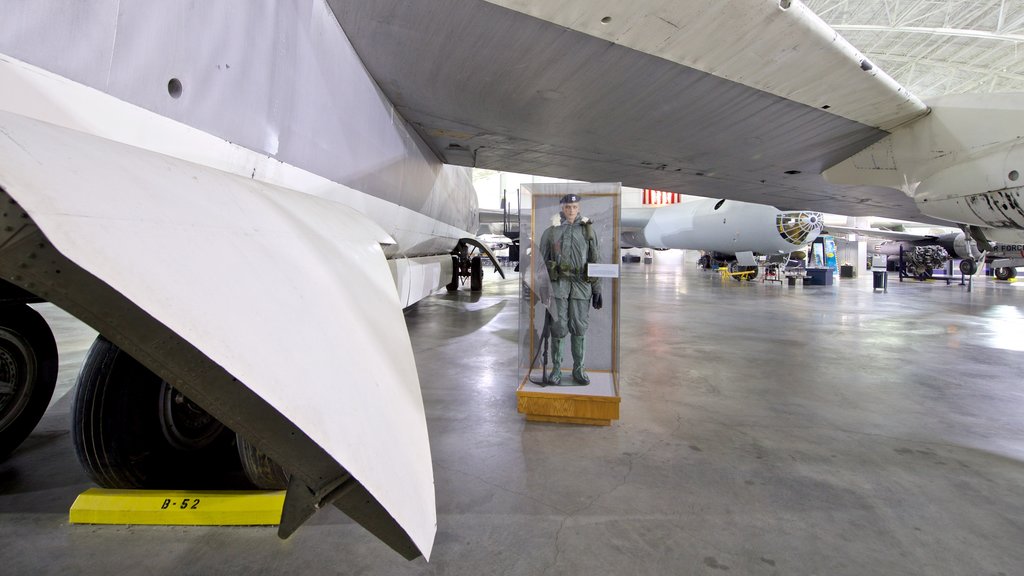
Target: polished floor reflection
(765, 429)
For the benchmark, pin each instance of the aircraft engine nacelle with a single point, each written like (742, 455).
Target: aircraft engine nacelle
(634, 239)
(959, 245)
(984, 191)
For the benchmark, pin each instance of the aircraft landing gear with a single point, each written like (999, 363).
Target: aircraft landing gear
(466, 266)
(476, 274)
(1005, 273)
(968, 266)
(468, 263)
(131, 429)
(28, 373)
(738, 272)
(263, 472)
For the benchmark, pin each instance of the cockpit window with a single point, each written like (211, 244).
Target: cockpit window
(719, 204)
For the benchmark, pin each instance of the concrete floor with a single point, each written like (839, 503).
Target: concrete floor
(765, 429)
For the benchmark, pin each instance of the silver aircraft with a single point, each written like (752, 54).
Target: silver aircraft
(728, 231)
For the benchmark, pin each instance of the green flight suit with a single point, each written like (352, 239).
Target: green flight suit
(567, 249)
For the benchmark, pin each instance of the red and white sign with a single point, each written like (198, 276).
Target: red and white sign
(659, 197)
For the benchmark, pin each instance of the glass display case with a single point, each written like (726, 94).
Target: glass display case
(569, 303)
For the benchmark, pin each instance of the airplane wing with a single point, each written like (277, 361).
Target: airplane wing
(749, 100)
(490, 216)
(634, 219)
(492, 221)
(877, 233)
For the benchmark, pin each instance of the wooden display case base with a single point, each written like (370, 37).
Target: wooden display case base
(595, 405)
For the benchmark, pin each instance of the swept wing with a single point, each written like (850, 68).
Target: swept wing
(748, 100)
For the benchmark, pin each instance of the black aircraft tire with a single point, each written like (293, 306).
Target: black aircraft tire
(263, 472)
(968, 267)
(476, 274)
(131, 429)
(28, 362)
(1005, 273)
(453, 286)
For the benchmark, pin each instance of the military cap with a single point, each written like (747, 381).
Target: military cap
(569, 199)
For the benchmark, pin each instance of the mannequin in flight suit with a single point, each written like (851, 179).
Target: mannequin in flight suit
(567, 248)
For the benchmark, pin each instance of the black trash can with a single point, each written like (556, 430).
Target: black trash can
(878, 280)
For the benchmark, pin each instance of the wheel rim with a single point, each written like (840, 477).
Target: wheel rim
(184, 424)
(17, 374)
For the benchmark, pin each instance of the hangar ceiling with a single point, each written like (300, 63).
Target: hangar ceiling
(936, 47)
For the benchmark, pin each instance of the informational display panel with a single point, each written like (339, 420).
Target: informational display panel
(569, 309)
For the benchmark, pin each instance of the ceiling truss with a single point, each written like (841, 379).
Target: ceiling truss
(936, 47)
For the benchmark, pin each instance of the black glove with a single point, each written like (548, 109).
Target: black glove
(596, 300)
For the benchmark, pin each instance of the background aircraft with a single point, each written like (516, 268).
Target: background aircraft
(1003, 258)
(722, 228)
